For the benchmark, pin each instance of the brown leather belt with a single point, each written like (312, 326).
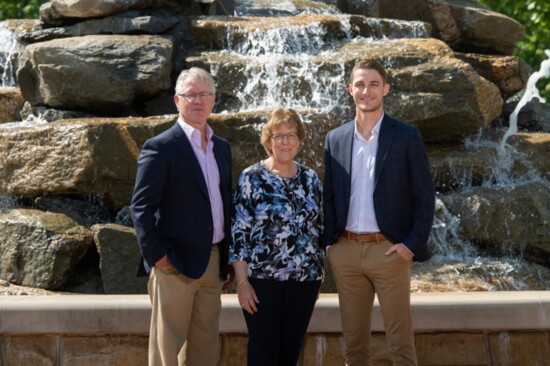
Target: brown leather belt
(364, 238)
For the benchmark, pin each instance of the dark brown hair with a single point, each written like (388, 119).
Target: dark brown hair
(369, 64)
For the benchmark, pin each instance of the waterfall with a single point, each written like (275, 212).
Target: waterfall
(531, 92)
(292, 65)
(8, 47)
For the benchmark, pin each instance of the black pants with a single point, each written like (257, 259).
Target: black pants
(277, 330)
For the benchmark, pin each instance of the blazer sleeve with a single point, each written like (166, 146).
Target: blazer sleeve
(151, 177)
(329, 208)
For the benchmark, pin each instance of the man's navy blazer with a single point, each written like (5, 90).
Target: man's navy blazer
(171, 207)
(404, 193)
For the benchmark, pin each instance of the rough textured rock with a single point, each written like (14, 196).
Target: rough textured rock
(11, 104)
(97, 157)
(506, 220)
(465, 25)
(89, 157)
(40, 249)
(508, 73)
(481, 29)
(100, 74)
(55, 11)
(117, 246)
(129, 22)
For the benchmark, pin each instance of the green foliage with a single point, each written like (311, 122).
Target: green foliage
(20, 9)
(534, 16)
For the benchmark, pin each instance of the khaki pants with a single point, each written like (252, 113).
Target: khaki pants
(185, 316)
(360, 270)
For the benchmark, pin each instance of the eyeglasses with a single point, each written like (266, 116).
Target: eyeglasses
(191, 97)
(291, 136)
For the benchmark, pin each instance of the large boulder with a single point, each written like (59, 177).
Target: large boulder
(465, 25)
(108, 74)
(97, 157)
(129, 22)
(508, 73)
(57, 11)
(40, 249)
(11, 104)
(88, 157)
(506, 220)
(119, 252)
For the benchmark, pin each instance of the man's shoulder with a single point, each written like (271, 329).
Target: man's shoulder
(163, 137)
(343, 129)
(400, 126)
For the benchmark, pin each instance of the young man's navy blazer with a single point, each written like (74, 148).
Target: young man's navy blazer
(404, 193)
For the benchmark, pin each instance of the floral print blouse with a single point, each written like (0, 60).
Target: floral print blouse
(277, 224)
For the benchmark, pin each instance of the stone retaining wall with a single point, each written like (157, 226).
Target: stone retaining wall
(493, 328)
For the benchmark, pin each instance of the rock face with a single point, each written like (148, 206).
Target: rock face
(465, 25)
(101, 74)
(40, 249)
(11, 104)
(93, 63)
(119, 252)
(56, 10)
(90, 157)
(516, 217)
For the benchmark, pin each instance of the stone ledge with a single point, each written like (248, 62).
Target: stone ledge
(130, 314)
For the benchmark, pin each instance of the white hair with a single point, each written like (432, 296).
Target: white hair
(195, 73)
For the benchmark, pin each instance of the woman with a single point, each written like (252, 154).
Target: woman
(276, 253)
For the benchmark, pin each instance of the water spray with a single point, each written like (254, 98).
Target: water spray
(531, 92)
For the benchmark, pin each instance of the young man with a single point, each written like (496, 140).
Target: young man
(181, 208)
(379, 201)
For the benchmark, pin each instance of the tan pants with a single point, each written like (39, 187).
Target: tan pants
(185, 316)
(360, 270)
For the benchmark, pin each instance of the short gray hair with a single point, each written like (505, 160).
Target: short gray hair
(195, 73)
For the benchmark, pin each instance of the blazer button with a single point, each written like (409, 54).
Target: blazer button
(210, 228)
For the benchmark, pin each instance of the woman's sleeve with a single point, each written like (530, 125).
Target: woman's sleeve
(241, 222)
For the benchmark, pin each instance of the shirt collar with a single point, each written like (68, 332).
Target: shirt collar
(375, 131)
(191, 131)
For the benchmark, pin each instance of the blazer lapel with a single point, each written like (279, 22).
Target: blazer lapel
(346, 158)
(385, 139)
(223, 164)
(184, 145)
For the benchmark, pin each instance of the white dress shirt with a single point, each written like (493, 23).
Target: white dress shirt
(361, 217)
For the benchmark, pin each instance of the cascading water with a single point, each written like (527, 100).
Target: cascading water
(285, 65)
(531, 92)
(8, 47)
(290, 60)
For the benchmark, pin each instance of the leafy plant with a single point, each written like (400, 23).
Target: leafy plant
(534, 15)
(20, 9)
